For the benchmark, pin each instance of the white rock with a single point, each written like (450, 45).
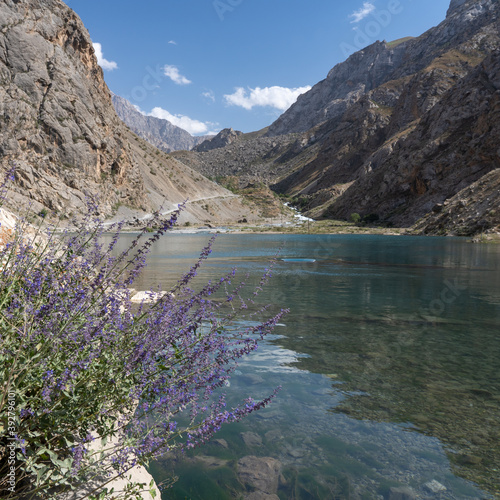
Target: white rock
(434, 486)
(7, 219)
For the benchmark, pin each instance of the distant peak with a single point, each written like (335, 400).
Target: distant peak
(454, 5)
(223, 138)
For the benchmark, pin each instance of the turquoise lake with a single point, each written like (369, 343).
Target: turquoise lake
(389, 363)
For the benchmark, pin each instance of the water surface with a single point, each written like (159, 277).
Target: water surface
(389, 362)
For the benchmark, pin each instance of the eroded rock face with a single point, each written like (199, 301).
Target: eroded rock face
(381, 63)
(461, 6)
(59, 129)
(345, 84)
(474, 210)
(453, 146)
(57, 123)
(454, 5)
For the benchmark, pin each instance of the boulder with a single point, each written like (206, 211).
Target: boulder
(401, 493)
(251, 439)
(260, 473)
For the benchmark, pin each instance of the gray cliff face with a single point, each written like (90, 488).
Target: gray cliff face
(158, 132)
(453, 146)
(57, 123)
(344, 86)
(455, 5)
(472, 211)
(413, 141)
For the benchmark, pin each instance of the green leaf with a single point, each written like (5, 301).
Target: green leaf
(40, 472)
(152, 489)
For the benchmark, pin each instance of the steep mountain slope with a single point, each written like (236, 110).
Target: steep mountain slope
(393, 130)
(59, 129)
(158, 132)
(345, 84)
(57, 123)
(420, 137)
(471, 211)
(453, 145)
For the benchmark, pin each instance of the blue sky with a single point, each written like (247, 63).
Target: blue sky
(211, 64)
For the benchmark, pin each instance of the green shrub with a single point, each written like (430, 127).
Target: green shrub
(355, 218)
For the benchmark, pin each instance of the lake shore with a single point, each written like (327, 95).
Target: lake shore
(319, 227)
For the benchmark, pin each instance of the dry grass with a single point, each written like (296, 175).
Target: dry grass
(455, 58)
(399, 41)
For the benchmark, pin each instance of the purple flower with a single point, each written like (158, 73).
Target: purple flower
(88, 363)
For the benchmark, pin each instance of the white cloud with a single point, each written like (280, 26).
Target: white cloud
(209, 95)
(103, 63)
(173, 73)
(192, 126)
(172, 42)
(360, 14)
(276, 97)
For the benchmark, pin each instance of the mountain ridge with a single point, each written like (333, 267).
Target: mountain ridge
(159, 132)
(376, 64)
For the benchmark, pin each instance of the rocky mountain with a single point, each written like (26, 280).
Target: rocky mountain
(393, 131)
(245, 156)
(383, 62)
(345, 84)
(222, 139)
(452, 146)
(158, 132)
(60, 131)
(473, 210)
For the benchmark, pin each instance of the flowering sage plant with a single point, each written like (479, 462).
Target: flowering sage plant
(92, 385)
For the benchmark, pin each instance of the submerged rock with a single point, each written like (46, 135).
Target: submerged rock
(402, 493)
(221, 442)
(251, 439)
(261, 473)
(434, 486)
(210, 462)
(258, 495)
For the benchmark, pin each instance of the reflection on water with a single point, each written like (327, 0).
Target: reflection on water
(389, 362)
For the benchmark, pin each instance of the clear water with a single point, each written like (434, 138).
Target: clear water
(389, 362)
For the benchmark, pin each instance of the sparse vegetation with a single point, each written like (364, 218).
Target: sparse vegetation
(355, 218)
(399, 41)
